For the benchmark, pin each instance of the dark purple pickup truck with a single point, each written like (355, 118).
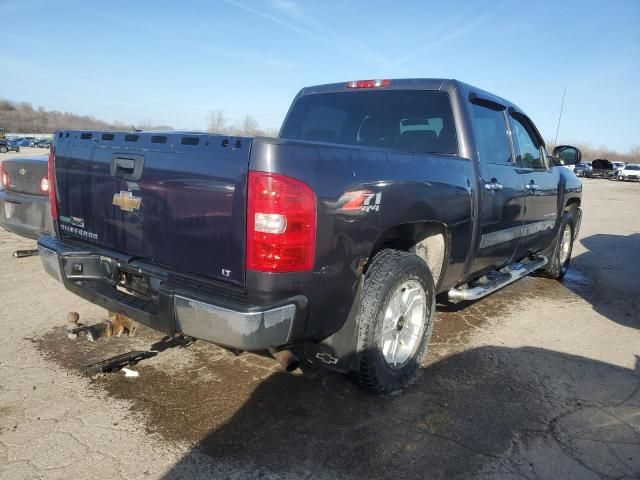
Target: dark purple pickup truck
(327, 245)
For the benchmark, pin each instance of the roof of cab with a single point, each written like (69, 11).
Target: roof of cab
(442, 84)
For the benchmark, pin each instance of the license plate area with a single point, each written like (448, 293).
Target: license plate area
(136, 283)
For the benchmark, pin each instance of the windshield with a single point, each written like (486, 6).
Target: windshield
(416, 121)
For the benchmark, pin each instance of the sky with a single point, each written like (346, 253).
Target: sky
(171, 62)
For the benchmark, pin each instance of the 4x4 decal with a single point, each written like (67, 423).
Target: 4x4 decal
(362, 200)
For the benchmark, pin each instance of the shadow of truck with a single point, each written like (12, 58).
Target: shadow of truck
(523, 412)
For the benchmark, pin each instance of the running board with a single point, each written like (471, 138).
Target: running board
(497, 279)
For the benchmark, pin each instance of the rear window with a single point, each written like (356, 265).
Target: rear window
(632, 167)
(419, 121)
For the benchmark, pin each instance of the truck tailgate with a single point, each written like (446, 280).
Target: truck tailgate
(175, 199)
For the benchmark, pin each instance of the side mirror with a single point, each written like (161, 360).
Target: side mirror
(567, 155)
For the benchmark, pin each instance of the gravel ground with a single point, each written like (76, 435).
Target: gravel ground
(538, 381)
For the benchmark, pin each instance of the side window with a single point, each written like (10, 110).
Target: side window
(489, 128)
(528, 152)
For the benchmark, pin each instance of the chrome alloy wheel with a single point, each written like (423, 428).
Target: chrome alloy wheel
(565, 245)
(404, 322)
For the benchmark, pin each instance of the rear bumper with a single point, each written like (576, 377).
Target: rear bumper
(25, 215)
(174, 305)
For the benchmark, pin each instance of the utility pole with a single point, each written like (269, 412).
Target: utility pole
(560, 116)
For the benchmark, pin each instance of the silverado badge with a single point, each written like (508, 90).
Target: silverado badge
(126, 201)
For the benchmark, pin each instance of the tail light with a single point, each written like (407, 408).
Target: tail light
(5, 176)
(281, 224)
(52, 184)
(368, 84)
(44, 185)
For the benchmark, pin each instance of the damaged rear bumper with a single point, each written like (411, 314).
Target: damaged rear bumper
(172, 303)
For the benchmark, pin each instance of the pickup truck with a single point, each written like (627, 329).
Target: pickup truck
(327, 245)
(24, 201)
(7, 145)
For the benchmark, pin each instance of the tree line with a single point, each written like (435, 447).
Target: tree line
(590, 153)
(24, 118)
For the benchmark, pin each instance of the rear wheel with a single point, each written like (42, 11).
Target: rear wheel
(395, 320)
(561, 256)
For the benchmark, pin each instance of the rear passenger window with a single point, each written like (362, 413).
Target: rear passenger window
(323, 123)
(490, 132)
(419, 121)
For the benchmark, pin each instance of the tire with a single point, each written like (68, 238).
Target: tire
(393, 278)
(560, 259)
(3, 149)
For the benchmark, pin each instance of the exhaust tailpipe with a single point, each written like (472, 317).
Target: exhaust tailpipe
(287, 360)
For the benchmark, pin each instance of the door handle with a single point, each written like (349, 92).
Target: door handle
(532, 187)
(493, 185)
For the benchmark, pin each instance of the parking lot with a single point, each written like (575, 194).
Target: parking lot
(538, 381)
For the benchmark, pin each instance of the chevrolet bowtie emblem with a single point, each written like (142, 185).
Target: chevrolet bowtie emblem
(126, 201)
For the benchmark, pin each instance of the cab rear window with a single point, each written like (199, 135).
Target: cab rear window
(419, 121)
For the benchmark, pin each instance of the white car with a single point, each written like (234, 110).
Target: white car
(629, 172)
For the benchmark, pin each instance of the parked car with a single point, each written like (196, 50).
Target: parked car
(43, 143)
(7, 145)
(22, 142)
(617, 166)
(630, 171)
(601, 168)
(326, 245)
(582, 169)
(24, 200)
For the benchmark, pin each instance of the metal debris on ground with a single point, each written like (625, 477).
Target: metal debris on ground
(25, 253)
(118, 362)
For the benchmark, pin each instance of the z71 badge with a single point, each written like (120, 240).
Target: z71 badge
(361, 200)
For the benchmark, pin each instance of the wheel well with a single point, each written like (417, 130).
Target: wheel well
(572, 202)
(428, 240)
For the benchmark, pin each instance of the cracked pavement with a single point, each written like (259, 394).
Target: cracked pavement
(538, 381)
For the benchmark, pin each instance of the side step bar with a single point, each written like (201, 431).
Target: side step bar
(497, 279)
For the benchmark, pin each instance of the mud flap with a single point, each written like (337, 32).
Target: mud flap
(339, 352)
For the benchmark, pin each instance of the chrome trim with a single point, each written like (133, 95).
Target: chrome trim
(242, 330)
(508, 234)
(50, 262)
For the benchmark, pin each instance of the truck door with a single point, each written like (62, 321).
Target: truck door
(541, 185)
(502, 195)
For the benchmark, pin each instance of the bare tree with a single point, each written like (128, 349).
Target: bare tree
(216, 122)
(250, 126)
(272, 132)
